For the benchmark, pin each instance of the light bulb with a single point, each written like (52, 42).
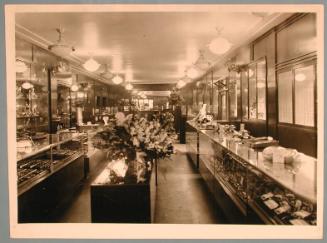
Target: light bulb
(219, 45)
(117, 79)
(129, 86)
(91, 65)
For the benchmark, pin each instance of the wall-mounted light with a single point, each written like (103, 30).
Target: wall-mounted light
(91, 65)
(300, 77)
(117, 79)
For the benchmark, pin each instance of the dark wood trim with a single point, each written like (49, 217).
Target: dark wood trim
(298, 60)
(49, 102)
(295, 17)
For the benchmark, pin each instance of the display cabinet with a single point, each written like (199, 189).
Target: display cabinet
(191, 137)
(124, 192)
(48, 172)
(262, 190)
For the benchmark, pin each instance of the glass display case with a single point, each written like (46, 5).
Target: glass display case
(124, 192)
(38, 159)
(32, 100)
(191, 138)
(278, 193)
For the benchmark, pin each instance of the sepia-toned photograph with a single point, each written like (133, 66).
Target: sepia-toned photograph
(165, 121)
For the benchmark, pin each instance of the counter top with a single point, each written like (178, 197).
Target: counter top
(44, 144)
(299, 177)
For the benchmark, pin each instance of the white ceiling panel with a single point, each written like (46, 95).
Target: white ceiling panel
(156, 46)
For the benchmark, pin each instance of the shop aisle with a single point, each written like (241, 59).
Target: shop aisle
(182, 196)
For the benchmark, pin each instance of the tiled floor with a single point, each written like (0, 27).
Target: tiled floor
(182, 196)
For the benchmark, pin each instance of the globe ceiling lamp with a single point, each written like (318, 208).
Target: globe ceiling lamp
(91, 65)
(60, 48)
(219, 45)
(117, 80)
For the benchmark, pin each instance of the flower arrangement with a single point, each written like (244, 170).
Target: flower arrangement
(136, 141)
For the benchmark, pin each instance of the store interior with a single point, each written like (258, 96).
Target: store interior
(166, 117)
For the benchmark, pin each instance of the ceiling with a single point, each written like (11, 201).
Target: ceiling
(156, 46)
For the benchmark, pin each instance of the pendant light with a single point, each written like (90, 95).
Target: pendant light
(60, 48)
(91, 65)
(27, 85)
(117, 79)
(219, 45)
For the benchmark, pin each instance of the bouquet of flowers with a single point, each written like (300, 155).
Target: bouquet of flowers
(137, 141)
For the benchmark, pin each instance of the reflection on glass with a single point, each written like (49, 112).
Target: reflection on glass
(252, 92)
(261, 89)
(215, 101)
(245, 96)
(304, 95)
(224, 106)
(285, 109)
(232, 95)
(32, 100)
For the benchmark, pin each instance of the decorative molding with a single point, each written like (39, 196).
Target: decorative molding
(298, 60)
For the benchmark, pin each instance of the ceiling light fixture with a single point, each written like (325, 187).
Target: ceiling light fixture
(219, 45)
(60, 48)
(91, 65)
(27, 85)
(117, 79)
